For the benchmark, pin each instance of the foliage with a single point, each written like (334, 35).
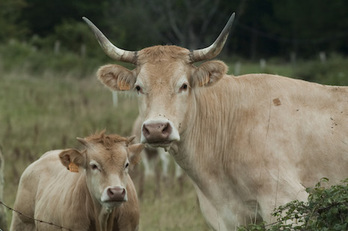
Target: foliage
(28, 58)
(326, 209)
(9, 19)
(282, 27)
(333, 71)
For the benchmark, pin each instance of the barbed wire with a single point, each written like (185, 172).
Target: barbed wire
(31, 218)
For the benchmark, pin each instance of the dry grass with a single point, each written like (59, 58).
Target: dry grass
(41, 113)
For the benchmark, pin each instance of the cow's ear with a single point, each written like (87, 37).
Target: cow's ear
(134, 153)
(72, 159)
(209, 73)
(116, 77)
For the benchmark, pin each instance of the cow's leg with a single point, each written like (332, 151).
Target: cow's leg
(223, 217)
(25, 202)
(282, 194)
(164, 160)
(21, 223)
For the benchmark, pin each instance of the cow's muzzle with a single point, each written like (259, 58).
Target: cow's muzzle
(159, 133)
(114, 194)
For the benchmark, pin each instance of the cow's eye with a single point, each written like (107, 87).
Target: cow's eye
(183, 87)
(126, 166)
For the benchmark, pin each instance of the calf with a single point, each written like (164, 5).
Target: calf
(96, 194)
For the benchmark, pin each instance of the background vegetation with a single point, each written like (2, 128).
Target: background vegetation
(48, 58)
(263, 29)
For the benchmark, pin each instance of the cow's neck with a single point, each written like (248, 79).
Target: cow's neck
(203, 148)
(103, 217)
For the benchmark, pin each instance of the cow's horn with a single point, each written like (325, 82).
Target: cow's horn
(111, 50)
(214, 49)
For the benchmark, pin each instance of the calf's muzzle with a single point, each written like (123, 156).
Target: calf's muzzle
(116, 193)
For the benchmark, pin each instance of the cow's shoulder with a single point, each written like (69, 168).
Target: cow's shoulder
(43, 166)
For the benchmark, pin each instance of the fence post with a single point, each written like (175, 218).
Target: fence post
(56, 47)
(237, 67)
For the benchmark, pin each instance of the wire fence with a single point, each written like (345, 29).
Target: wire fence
(31, 218)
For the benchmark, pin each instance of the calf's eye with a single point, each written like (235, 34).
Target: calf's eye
(94, 167)
(126, 166)
(138, 89)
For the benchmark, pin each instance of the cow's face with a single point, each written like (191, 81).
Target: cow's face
(164, 81)
(106, 169)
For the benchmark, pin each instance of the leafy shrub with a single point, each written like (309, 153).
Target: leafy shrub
(326, 209)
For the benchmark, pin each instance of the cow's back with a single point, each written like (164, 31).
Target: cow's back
(32, 189)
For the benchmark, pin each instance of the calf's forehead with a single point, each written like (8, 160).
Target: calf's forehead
(111, 157)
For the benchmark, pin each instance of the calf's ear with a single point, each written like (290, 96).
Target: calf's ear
(134, 153)
(209, 73)
(72, 159)
(116, 77)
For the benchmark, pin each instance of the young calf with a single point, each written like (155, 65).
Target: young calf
(96, 194)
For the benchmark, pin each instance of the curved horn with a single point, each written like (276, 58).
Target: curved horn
(111, 50)
(214, 49)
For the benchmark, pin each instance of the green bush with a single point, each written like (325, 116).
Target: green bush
(326, 209)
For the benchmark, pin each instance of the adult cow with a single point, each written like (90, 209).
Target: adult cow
(97, 194)
(249, 143)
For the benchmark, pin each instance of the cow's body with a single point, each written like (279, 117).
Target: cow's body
(50, 193)
(248, 143)
(271, 138)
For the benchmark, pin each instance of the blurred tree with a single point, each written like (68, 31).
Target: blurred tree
(9, 15)
(188, 23)
(261, 29)
(43, 16)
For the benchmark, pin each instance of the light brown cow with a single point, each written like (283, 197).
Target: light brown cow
(249, 143)
(99, 196)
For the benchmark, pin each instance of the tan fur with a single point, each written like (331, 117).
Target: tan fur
(49, 192)
(249, 143)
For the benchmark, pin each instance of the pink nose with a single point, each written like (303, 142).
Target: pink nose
(157, 132)
(116, 193)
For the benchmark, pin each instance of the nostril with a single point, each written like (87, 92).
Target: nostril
(110, 193)
(146, 131)
(166, 129)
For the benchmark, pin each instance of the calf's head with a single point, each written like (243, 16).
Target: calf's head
(164, 79)
(105, 160)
